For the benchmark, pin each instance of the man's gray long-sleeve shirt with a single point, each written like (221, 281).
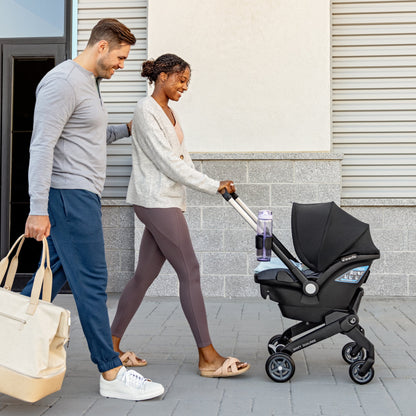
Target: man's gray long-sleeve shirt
(70, 134)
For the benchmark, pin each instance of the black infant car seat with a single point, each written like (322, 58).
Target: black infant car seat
(324, 290)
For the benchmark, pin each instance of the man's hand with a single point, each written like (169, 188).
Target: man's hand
(37, 227)
(129, 126)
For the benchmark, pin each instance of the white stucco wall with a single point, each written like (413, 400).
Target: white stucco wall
(260, 71)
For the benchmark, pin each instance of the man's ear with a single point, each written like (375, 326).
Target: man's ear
(102, 46)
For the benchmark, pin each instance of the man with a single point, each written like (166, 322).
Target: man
(66, 177)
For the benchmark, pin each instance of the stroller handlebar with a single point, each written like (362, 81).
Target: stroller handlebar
(241, 208)
(227, 196)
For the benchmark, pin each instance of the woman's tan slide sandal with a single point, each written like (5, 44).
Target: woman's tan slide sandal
(130, 359)
(228, 369)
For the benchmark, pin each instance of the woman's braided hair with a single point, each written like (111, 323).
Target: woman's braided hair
(167, 63)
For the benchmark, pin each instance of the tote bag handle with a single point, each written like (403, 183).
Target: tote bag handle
(43, 275)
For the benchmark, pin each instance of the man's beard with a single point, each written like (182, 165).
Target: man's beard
(103, 70)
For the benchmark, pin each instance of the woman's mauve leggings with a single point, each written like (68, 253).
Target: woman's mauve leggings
(166, 237)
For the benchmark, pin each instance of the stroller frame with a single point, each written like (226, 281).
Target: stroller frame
(359, 354)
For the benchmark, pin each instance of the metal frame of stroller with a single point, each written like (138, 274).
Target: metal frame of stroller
(280, 366)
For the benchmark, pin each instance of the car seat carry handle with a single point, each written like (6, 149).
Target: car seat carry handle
(309, 288)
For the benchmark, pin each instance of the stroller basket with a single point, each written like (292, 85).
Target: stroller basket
(322, 290)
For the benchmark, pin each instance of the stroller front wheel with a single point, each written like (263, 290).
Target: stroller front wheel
(280, 367)
(356, 377)
(349, 357)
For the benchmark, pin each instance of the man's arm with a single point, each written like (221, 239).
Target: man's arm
(118, 132)
(55, 102)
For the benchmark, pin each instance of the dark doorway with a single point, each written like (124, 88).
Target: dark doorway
(26, 75)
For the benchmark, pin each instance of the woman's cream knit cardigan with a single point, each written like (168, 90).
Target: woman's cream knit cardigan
(161, 166)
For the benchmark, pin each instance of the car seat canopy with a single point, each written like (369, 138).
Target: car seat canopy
(323, 233)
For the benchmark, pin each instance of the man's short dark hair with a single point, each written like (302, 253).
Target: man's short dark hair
(113, 31)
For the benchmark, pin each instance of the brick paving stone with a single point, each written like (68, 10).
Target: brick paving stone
(22, 410)
(71, 406)
(376, 401)
(403, 393)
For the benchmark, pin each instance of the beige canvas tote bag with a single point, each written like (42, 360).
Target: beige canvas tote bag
(33, 333)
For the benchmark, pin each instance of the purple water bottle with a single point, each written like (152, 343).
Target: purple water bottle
(264, 238)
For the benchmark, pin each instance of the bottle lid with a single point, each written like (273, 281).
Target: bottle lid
(265, 214)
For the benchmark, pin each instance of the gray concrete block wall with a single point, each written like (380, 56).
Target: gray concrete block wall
(118, 227)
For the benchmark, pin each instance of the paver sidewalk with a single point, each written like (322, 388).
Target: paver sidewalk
(242, 327)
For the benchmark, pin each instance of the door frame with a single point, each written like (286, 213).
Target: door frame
(11, 51)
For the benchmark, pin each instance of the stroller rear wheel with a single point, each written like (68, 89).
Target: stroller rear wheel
(356, 377)
(280, 367)
(349, 357)
(277, 343)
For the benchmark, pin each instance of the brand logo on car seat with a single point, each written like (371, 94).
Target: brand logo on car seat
(353, 275)
(348, 258)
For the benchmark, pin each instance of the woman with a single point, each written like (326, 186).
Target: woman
(161, 169)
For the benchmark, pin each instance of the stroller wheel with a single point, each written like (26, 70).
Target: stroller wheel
(276, 343)
(349, 357)
(357, 378)
(280, 367)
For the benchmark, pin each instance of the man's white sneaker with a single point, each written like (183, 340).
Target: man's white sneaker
(130, 385)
